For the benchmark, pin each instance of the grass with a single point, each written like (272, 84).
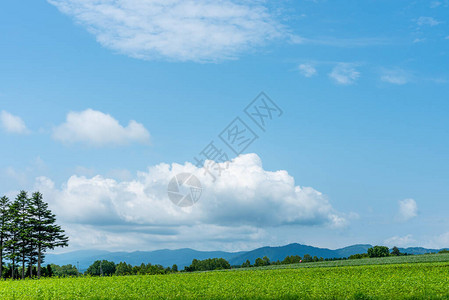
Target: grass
(406, 280)
(425, 258)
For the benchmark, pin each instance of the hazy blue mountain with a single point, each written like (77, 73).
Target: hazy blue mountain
(279, 253)
(181, 257)
(354, 249)
(418, 250)
(184, 257)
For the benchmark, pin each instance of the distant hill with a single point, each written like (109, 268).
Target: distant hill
(165, 257)
(418, 250)
(279, 253)
(184, 257)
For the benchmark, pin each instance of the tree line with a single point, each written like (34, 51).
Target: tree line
(109, 268)
(27, 230)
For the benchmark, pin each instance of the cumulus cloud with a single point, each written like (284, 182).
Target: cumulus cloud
(400, 241)
(408, 209)
(427, 21)
(201, 30)
(307, 70)
(399, 77)
(244, 198)
(12, 124)
(344, 74)
(99, 129)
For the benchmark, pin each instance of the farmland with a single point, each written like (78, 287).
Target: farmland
(385, 279)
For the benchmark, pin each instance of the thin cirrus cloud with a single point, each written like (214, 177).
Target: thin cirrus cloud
(201, 30)
(396, 76)
(307, 70)
(430, 21)
(12, 124)
(98, 129)
(344, 74)
(246, 198)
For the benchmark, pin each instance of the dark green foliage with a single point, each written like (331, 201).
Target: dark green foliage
(123, 269)
(246, 264)
(27, 231)
(395, 251)
(358, 256)
(4, 232)
(47, 235)
(101, 268)
(64, 271)
(444, 251)
(208, 264)
(307, 258)
(378, 251)
(260, 262)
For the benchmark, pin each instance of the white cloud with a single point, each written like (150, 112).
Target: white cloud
(396, 76)
(201, 30)
(427, 21)
(244, 199)
(400, 241)
(418, 40)
(12, 124)
(307, 70)
(439, 241)
(408, 209)
(99, 129)
(344, 74)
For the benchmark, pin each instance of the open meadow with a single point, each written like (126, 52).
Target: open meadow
(378, 279)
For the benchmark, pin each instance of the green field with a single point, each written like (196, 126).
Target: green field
(417, 280)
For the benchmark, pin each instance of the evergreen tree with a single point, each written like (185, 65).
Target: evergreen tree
(12, 244)
(4, 232)
(24, 225)
(47, 235)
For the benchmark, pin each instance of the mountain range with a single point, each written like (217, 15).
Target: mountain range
(184, 257)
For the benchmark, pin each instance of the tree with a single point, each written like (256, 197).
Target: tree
(208, 264)
(101, 267)
(4, 233)
(378, 251)
(123, 269)
(47, 235)
(395, 251)
(24, 228)
(294, 259)
(174, 268)
(12, 244)
(260, 262)
(266, 260)
(246, 264)
(307, 258)
(64, 271)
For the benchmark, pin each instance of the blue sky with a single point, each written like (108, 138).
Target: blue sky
(101, 105)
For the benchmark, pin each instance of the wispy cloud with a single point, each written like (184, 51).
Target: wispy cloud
(307, 70)
(348, 42)
(400, 241)
(200, 30)
(408, 209)
(395, 76)
(99, 129)
(12, 124)
(344, 74)
(427, 21)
